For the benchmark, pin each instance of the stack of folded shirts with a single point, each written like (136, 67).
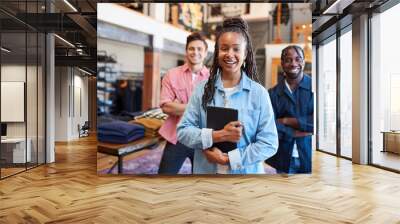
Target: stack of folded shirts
(153, 113)
(119, 132)
(151, 125)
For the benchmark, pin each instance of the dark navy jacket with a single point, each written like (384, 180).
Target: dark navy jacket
(299, 105)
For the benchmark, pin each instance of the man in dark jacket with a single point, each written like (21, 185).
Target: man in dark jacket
(293, 104)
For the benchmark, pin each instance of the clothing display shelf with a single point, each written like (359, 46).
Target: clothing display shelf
(129, 92)
(106, 79)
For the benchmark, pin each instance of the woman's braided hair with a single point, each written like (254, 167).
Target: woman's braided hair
(237, 25)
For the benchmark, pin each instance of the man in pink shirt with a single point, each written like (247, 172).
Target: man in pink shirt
(177, 87)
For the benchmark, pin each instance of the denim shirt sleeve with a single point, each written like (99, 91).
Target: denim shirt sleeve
(266, 138)
(206, 137)
(306, 122)
(285, 132)
(189, 132)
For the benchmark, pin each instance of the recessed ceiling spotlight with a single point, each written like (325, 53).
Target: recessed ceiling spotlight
(5, 50)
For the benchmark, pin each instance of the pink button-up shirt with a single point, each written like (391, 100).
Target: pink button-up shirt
(177, 85)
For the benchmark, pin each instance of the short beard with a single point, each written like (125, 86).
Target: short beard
(293, 76)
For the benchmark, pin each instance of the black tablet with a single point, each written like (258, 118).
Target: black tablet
(217, 118)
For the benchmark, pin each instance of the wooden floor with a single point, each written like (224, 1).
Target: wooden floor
(69, 191)
(10, 171)
(5, 172)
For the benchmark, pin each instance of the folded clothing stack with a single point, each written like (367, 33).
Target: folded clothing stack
(151, 125)
(153, 113)
(119, 132)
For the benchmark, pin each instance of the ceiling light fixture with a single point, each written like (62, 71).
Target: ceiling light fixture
(5, 49)
(331, 7)
(86, 72)
(70, 5)
(79, 51)
(337, 7)
(65, 41)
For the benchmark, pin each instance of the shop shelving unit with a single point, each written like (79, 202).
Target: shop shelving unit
(106, 79)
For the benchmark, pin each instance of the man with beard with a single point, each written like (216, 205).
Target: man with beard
(293, 104)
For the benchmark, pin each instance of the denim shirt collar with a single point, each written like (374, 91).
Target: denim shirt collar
(244, 84)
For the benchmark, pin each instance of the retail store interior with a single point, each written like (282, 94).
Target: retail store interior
(127, 89)
(68, 66)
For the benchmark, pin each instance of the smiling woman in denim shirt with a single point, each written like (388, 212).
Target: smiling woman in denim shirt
(232, 84)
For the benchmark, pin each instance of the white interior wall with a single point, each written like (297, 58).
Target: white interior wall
(61, 103)
(70, 83)
(122, 16)
(41, 115)
(32, 111)
(130, 57)
(81, 104)
(15, 73)
(169, 60)
(34, 124)
(85, 99)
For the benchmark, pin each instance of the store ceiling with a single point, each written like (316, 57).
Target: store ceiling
(337, 14)
(79, 28)
(74, 21)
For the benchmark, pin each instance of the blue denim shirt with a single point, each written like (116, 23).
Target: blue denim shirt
(259, 139)
(299, 105)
